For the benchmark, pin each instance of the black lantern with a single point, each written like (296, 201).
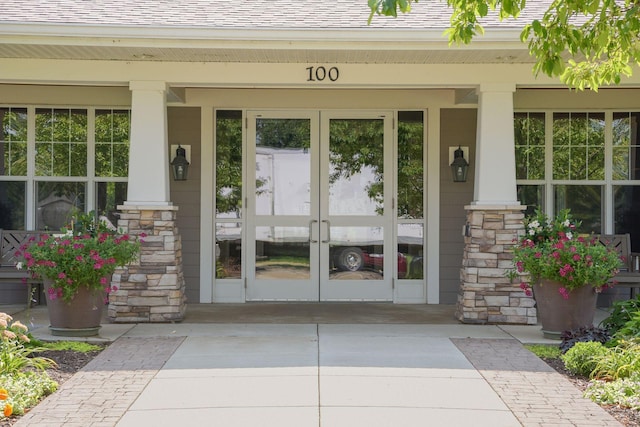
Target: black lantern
(180, 165)
(459, 166)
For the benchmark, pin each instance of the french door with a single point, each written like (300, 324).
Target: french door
(319, 210)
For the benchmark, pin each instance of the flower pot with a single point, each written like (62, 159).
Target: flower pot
(79, 317)
(558, 314)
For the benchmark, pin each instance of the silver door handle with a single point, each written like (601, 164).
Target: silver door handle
(313, 221)
(326, 221)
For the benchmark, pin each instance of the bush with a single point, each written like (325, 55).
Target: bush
(583, 357)
(22, 391)
(621, 313)
(14, 355)
(622, 361)
(624, 392)
(583, 334)
(631, 328)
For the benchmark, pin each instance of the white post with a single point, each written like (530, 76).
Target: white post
(148, 156)
(495, 168)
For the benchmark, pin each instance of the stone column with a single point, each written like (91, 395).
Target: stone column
(494, 219)
(486, 293)
(153, 289)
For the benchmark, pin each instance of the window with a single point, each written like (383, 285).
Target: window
(73, 166)
(578, 176)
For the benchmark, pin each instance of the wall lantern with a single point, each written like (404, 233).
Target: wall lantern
(180, 164)
(459, 166)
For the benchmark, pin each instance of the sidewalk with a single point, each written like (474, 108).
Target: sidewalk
(317, 375)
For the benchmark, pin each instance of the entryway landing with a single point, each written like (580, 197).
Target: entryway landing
(325, 313)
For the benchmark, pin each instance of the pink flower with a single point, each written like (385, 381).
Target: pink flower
(79, 258)
(61, 275)
(576, 257)
(564, 293)
(103, 280)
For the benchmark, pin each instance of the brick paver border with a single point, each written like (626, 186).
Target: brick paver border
(535, 393)
(100, 393)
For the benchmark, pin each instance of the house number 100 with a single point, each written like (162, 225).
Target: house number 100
(321, 73)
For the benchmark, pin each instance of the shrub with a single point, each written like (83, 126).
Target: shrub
(583, 357)
(631, 328)
(624, 392)
(22, 391)
(583, 334)
(622, 361)
(620, 314)
(14, 356)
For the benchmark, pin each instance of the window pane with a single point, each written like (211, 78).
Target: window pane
(283, 253)
(109, 196)
(410, 164)
(12, 205)
(228, 164)
(585, 202)
(61, 140)
(532, 196)
(356, 169)
(410, 251)
(578, 146)
(529, 140)
(626, 199)
(229, 250)
(626, 152)
(56, 202)
(13, 145)
(357, 253)
(283, 166)
(112, 142)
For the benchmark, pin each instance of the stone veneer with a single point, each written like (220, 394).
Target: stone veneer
(486, 294)
(153, 289)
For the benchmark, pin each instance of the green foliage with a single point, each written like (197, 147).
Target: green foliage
(583, 334)
(85, 257)
(544, 351)
(25, 390)
(77, 346)
(631, 328)
(586, 43)
(15, 357)
(621, 313)
(582, 358)
(550, 250)
(621, 361)
(623, 392)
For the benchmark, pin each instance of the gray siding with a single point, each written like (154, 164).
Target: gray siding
(457, 127)
(184, 128)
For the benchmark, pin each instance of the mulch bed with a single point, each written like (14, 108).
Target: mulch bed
(627, 417)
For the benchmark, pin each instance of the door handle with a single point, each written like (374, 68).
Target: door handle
(313, 221)
(326, 221)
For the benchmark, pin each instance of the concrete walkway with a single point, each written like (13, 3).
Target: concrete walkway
(316, 374)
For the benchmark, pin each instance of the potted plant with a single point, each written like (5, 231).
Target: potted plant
(76, 267)
(565, 271)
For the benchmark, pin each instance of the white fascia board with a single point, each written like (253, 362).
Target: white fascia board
(127, 36)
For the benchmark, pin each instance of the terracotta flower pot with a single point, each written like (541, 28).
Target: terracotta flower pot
(79, 317)
(558, 314)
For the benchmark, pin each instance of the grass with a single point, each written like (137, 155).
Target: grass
(544, 351)
(79, 346)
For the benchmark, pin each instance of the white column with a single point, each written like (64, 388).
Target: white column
(495, 168)
(148, 153)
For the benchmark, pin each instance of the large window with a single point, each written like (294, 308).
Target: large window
(567, 166)
(74, 158)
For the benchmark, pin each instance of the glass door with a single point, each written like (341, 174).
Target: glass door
(319, 213)
(355, 207)
(282, 206)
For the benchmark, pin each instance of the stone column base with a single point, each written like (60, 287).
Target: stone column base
(153, 289)
(486, 293)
